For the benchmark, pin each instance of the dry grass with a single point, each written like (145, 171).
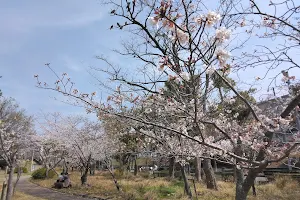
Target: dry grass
(140, 188)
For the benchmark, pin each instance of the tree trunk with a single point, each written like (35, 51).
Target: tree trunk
(66, 168)
(10, 187)
(114, 179)
(18, 178)
(215, 166)
(84, 176)
(244, 185)
(253, 190)
(47, 172)
(240, 193)
(84, 179)
(3, 190)
(135, 166)
(172, 167)
(210, 178)
(198, 169)
(187, 188)
(92, 169)
(81, 171)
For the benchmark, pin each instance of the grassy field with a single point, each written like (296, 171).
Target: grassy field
(141, 188)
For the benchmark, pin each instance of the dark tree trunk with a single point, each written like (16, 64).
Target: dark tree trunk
(198, 169)
(187, 188)
(172, 167)
(253, 190)
(47, 172)
(210, 178)
(92, 169)
(81, 171)
(10, 186)
(215, 166)
(135, 166)
(84, 176)
(85, 172)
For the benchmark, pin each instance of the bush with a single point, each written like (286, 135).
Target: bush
(24, 170)
(41, 174)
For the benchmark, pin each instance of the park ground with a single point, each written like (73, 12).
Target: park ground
(145, 187)
(18, 195)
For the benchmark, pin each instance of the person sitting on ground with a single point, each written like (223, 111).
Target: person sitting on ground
(63, 181)
(67, 181)
(59, 182)
(65, 176)
(61, 178)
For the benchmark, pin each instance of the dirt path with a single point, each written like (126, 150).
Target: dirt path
(34, 190)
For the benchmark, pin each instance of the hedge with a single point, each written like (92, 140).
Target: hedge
(41, 174)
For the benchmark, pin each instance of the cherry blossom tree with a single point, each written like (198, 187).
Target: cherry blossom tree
(118, 129)
(77, 140)
(242, 142)
(51, 150)
(273, 22)
(80, 136)
(16, 134)
(191, 46)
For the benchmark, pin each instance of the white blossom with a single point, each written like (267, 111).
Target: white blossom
(185, 76)
(212, 18)
(153, 21)
(198, 20)
(182, 36)
(222, 34)
(222, 56)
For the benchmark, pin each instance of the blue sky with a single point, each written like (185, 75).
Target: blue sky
(66, 33)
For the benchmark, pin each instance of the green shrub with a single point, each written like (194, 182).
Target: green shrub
(41, 174)
(24, 170)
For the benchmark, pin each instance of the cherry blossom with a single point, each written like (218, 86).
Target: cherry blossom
(222, 56)
(222, 34)
(212, 18)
